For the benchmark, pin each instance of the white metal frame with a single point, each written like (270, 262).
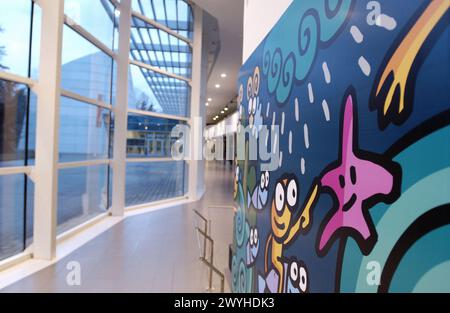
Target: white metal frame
(47, 126)
(121, 121)
(48, 89)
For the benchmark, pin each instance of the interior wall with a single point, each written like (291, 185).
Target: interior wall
(259, 18)
(358, 198)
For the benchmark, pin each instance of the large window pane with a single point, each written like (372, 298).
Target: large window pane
(175, 14)
(82, 195)
(155, 92)
(11, 215)
(153, 181)
(150, 136)
(96, 16)
(15, 20)
(86, 70)
(13, 115)
(160, 49)
(83, 132)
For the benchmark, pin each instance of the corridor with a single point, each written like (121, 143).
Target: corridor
(122, 259)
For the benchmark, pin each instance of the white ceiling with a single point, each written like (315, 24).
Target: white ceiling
(230, 16)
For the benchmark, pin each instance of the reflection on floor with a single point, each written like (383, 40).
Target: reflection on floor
(153, 252)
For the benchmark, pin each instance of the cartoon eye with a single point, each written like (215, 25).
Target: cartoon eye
(342, 181)
(292, 193)
(267, 179)
(303, 278)
(255, 239)
(263, 180)
(249, 88)
(279, 197)
(294, 271)
(353, 175)
(251, 237)
(256, 81)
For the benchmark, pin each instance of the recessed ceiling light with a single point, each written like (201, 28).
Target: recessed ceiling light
(221, 112)
(226, 109)
(223, 75)
(207, 104)
(217, 86)
(209, 99)
(217, 116)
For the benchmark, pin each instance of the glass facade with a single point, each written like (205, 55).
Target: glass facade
(158, 101)
(85, 134)
(15, 29)
(153, 181)
(86, 70)
(174, 14)
(150, 136)
(82, 194)
(18, 42)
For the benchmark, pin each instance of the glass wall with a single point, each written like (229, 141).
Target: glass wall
(85, 127)
(159, 99)
(82, 195)
(175, 14)
(150, 137)
(153, 181)
(17, 120)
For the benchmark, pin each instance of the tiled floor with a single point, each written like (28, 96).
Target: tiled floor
(153, 252)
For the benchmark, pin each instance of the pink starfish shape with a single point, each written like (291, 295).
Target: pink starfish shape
(353, 180)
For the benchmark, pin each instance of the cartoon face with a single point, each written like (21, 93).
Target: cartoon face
(352, 180)
(263, 189)
(284, 202)
(252, 97)
(297, 282)
(252, 246)
(260, 193)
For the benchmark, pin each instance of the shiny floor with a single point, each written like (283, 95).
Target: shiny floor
(153, 252)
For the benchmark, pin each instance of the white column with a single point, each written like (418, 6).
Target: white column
(120, 110)
(47, 127)
(197, 117)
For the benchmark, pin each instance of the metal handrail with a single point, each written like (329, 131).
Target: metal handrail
(210, 263)
(205, 230)
(203, 258)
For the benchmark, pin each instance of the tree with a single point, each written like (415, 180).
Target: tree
(13, 106)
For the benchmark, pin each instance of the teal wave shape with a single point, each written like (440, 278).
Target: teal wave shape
(291, 47)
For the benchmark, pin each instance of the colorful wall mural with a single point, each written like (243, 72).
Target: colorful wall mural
(360, 201)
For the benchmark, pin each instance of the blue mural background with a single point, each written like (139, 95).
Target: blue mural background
(300, 77)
